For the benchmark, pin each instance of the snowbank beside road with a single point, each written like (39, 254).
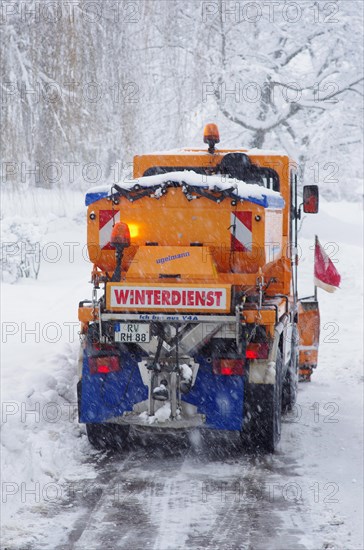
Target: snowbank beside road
(324, 434)
(42, 446)
(327, 424)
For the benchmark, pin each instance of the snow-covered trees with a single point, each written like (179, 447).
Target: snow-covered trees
(87, 85)
(294, 81)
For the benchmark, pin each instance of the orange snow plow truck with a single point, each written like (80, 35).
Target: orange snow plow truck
(195, 321)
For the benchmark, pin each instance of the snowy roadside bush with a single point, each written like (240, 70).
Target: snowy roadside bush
(20, 249)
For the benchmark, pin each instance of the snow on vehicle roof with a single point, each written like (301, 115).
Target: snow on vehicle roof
(246, 191)
(267, 152)
(194, 151)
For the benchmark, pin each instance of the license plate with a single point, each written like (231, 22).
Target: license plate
(132, 332)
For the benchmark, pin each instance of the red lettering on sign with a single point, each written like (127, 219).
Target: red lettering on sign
(139, 297)
(166, 300)
(121, 296)
(210, 298)
(157, 297)
(200, 298)
(176, 298)
(149, 294)
(218, 295)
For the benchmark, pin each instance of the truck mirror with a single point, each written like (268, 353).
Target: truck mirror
(310, 199)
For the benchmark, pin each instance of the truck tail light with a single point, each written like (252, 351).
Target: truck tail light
(257, 351)
(228, 367)
(104, 365)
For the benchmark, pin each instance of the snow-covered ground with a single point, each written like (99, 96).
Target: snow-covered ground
(59, 493)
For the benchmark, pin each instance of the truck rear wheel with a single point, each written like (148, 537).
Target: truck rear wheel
(107, 436)
(262, 413)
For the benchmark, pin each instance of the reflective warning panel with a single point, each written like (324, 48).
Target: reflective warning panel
(241, 231)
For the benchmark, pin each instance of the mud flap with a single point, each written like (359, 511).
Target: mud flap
(262, 412)
(309, 336)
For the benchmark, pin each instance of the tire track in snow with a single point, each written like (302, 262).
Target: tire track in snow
(166, 502)
(108, 495)
(167, 497)
(120, 517)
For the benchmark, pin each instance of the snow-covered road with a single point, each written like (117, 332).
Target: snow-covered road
(58, 493)
(169, 496)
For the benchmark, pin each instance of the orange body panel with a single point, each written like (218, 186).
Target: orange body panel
(308, 357)
(172, 221)
(86, 314)
(200, 158)
(309, 332)
(151, 262)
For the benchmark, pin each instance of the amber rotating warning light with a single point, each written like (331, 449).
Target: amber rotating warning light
(211, 136)
(120, 235)
(120, 239)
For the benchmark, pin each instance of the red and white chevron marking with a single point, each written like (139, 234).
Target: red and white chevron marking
(107, 218)
(241, 234)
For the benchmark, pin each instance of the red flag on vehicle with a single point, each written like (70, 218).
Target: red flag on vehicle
(326, 275)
